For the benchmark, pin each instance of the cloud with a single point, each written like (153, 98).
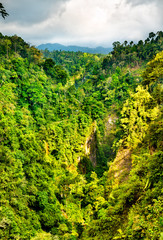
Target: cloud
(84, 22)
(140, 2)
(29, 12)
(103, 22)
(155, 7)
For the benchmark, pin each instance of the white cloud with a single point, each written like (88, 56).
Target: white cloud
(84, 22)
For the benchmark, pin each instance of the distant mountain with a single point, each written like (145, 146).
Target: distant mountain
(60, 47)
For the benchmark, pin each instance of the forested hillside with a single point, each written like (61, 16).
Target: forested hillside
(81, 142)
(60, 47)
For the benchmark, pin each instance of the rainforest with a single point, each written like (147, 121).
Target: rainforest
(81, 140)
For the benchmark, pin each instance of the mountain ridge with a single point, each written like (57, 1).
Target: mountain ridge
(73, 48)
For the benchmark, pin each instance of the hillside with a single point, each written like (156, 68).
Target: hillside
(81, 142)
(60, 47)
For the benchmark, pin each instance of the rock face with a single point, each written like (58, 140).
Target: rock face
(120, 168)
(92, 142)
(91, 146)
(110, 122)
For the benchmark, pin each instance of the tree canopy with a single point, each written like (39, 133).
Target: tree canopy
(81, 142)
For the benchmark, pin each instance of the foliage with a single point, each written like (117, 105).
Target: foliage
(133, 54)
(60, 119)
(136, 115)
(3, 11)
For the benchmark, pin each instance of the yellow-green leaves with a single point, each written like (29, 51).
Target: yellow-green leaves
(136, 117)
(154, 71)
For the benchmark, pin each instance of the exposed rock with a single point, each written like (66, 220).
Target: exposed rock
(120, 168)
(110, 123)
(91, 145)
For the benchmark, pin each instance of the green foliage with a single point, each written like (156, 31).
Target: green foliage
(59, 118)
(133, 54)
(153, 77)
(136, 115)
(15, 45)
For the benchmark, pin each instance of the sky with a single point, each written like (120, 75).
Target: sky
(89, 23)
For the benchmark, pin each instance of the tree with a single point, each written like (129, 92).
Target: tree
(151, 35)
(125, 43)
(8, 44)
(3, 11)
(136, 116)
(153, 76)
(154, 71)
(131, 43)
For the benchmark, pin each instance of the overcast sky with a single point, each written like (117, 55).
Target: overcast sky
(82, 22)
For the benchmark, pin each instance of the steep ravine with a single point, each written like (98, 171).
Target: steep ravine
(96, 143)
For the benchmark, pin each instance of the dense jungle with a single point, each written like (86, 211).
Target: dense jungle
(81, 140)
